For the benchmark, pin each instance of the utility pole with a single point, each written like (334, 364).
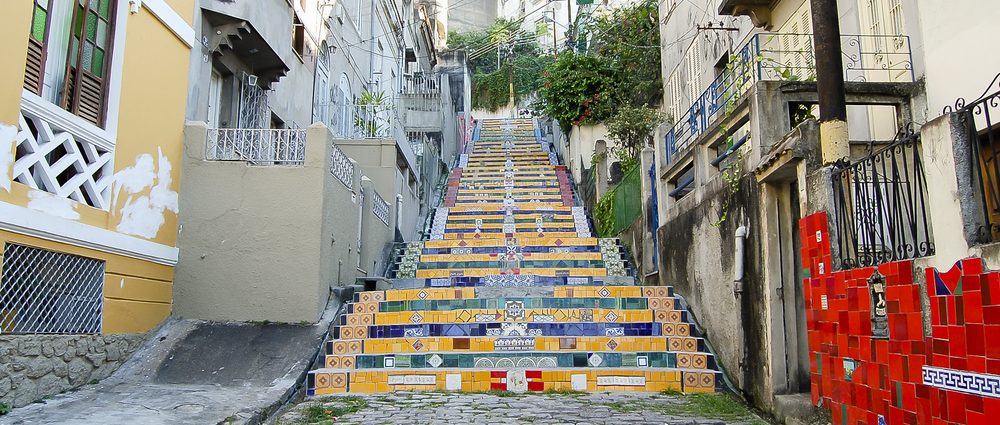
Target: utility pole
(555, 47)
(569, 22)
(830, 81)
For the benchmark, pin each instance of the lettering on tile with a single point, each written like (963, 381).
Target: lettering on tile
(628, 381)
(413, 380)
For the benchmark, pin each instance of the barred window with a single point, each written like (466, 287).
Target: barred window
(48, 292)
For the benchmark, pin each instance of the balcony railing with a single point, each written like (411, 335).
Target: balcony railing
(257, 146)
(787, 57)
(419, 85)
(881, 203)
(352, 121)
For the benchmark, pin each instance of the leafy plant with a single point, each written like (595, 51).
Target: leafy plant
(631, 128)
(368, 118)
(621, 68)
(604, 214)
(4, 409)
(578, 89)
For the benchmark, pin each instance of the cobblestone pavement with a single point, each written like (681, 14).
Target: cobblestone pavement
(509, 408)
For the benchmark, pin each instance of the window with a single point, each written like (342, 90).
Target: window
(48, 292)
(69, 55)
(299, 37)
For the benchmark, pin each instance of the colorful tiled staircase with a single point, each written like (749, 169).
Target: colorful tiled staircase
(513, 293)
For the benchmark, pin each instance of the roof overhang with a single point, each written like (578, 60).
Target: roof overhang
(759, 11)
(238, 36)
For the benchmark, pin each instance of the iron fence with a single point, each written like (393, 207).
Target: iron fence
(786, 57)
(625, 203)
(47, 292)
(983, 132)
(354, 121)
(881, 205)
(257, 146)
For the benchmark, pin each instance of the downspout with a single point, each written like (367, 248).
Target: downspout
(739, 270)
(739, 254)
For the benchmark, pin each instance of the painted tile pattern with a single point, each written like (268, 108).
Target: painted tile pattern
(512, 292)
(949, 375)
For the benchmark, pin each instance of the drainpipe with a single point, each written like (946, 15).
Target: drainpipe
(738, 276)
(741, 237)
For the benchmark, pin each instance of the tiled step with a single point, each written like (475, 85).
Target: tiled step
(578, 329)
(332, 381)
(511, 292)
(510, 360)
(639, 303)
(566, 339)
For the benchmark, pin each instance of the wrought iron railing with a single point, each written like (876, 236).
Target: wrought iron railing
(48, 292)
(979, 118)
(353, 121)
(786, 57)
(881, 205)
(257, 146)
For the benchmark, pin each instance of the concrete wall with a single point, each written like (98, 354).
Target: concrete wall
(582, 142)
(380, 161)
(268, 242)
(952, 31)
(697, 257)
(33, 367)
(472, 16)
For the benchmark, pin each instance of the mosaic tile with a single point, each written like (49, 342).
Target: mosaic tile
(508, 224)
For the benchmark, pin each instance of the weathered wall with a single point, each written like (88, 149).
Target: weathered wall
(33, 367)
(696, 254)
(252, 249)
(136, 233)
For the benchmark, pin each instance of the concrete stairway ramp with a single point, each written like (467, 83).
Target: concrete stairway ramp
(511, 291)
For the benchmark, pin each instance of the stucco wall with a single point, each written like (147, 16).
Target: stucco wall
(379, 159)
(252, 243)
(582, 141)
(148, 64)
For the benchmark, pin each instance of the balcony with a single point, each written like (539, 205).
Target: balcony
(785, 57)
(256, 146)
(420, 103)
(358, 121)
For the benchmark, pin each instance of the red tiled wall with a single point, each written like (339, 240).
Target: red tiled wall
(887, 382)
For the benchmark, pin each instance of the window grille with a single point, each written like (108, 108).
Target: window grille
(48, 292)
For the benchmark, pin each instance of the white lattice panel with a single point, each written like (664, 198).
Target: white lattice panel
(380, 208)
(341, 167)
(54, 160)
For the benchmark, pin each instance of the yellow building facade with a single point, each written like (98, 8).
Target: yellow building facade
(91, 138)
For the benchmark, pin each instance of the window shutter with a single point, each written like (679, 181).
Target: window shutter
(89, 57)
(34, 64)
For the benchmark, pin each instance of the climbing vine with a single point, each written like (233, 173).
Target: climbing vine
(604, 214)
(506, 57)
